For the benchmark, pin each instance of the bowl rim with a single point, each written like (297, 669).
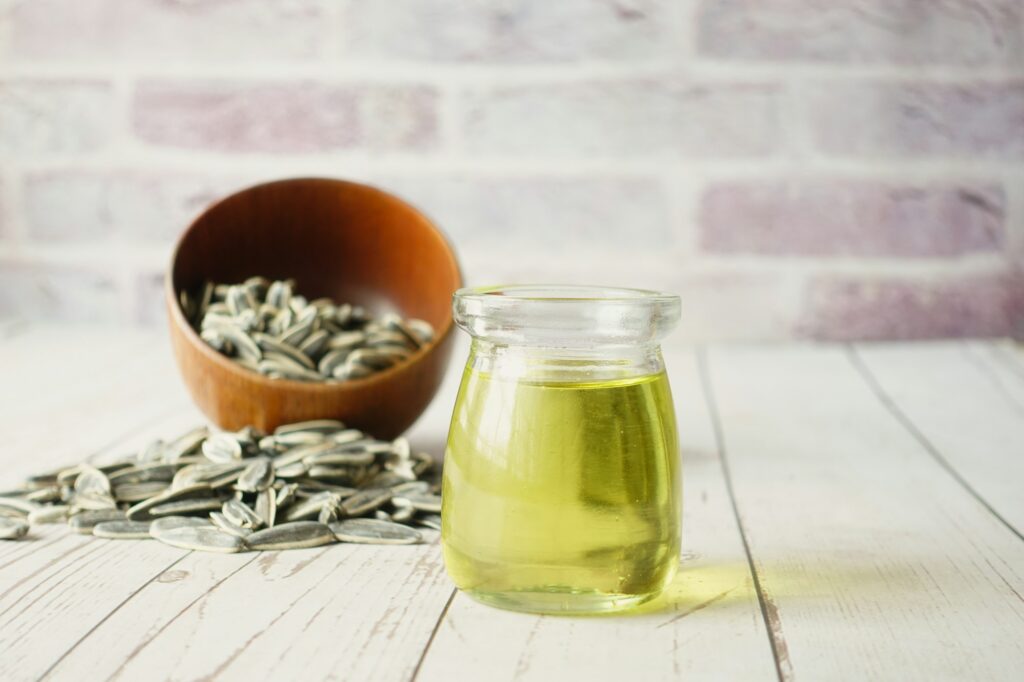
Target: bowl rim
(189, 333)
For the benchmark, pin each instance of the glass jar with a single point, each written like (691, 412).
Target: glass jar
(561, 475)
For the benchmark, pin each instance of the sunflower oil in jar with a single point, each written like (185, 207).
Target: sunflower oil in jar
(561, 477)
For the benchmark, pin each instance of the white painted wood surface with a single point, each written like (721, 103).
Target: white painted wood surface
(879, 491)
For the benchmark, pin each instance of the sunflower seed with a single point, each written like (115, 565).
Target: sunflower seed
(279, 294)
(430, 521)
(15, 529)
(257, 476)
(266, 506)
(321, 472)
(411, 487)
(419, 502)
(422, 330)
(365, 501)
(84, 522)
(122, 530)
(396, 323)
(297, 535)
(314, 344)
(200, 538)
(350, 371)
(316, 472)
(184, 507)
(143, 473)
(143, 510)
(403, 514)
(241, 514)
(57, 513)
(325, 426)
(168, 522)
(186, 444)
(222, 448)
(137, 492)
(154, 452)
(222, 522)
(94, 501)
(375, 532)
(293, 470)
(286, 494)
(370, 358)
(252, 320)
(299, 438)
(328, 513)
(270, 345)
(341, 458)
(44, 495)
(91, 481)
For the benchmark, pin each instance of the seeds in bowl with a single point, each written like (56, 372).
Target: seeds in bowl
(304, 485)
(266, 327)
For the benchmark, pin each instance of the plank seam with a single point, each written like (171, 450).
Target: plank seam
(1007, 358)
(982, 362)
(433, 634)
(188, 606)
(901, 417)
(111, 613)
(772, 624)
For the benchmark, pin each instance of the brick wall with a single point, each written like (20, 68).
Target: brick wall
(835, 169)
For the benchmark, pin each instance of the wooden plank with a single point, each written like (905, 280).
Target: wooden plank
(966, 409)
(352, 611)
(200, 617)
(71, 391)
(57, 586)
(874, 562)
(707, 626)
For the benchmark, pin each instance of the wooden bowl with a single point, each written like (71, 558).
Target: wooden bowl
(341, 239)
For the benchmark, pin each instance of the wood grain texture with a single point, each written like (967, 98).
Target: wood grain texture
(66, 397)
(707, 626)
(351, 242)
(967, 408)
(874, 561)
(56, 586)
(354, 612)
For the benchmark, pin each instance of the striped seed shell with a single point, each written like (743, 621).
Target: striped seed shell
(297, 535)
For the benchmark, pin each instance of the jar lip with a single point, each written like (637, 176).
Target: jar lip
(562, 293)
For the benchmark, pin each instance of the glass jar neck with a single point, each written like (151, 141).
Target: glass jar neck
(564, 364)
(575, 319)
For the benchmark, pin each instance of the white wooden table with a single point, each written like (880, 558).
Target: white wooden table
(850, 513)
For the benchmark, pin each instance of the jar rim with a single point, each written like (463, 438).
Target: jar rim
(565, 315)
(562, 293)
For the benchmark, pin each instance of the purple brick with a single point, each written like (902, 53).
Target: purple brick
(919, 32)
(538, 214)
(859, 308)
(121, 206)
(39, 291)
(624, 118)
(850, 218)
(528, 30)
(54, 116)
(919, 119)
(279, 117)
(154, 30)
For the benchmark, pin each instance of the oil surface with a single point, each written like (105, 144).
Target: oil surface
(562, 496)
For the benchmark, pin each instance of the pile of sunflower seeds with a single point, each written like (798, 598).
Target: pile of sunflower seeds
(305, 485)
(268, 328)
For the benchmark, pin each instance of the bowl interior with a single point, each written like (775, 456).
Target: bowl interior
(344, 240)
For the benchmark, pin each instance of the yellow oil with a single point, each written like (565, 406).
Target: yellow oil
(560, 496)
